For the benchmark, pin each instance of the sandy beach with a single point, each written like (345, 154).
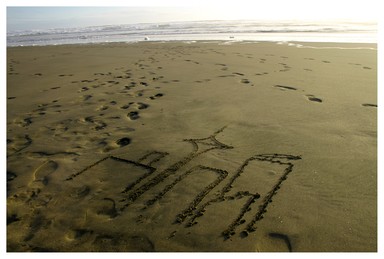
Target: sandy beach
(199, 146)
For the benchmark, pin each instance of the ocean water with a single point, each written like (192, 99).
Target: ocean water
(229, 31)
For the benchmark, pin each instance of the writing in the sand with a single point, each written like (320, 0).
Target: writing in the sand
(141, 182)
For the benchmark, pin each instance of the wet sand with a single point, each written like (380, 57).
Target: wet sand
(201, 146)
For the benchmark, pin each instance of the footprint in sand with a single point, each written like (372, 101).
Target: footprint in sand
(83, 89)
(88, 81)
(80, 192)
(313, 98)
(245, 81)
(283, 239)
(23, 122)
(17, 144)
(369, 105)
(42, 173)
(157, 78)
(98, 124)
(102, 108)
(261, 74)
(126, 106)
(105, 207)
(138, 93)
(123, 142)
(142, 106)
(156, 96)
(134, 115)
(138, 105)
(226, 76)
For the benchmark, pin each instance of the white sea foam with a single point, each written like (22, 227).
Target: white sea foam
(298, 45)
(228, 31)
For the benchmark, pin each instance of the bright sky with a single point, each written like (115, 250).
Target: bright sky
(62, 14)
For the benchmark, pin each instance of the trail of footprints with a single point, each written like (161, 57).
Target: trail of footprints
(73, 129)
(284, 68)
(310, 97)
(136, 82)
(180, 52)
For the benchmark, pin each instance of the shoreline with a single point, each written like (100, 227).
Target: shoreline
(298, 44)
(142, 147)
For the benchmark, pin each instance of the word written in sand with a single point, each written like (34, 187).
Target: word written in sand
(141, 179)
